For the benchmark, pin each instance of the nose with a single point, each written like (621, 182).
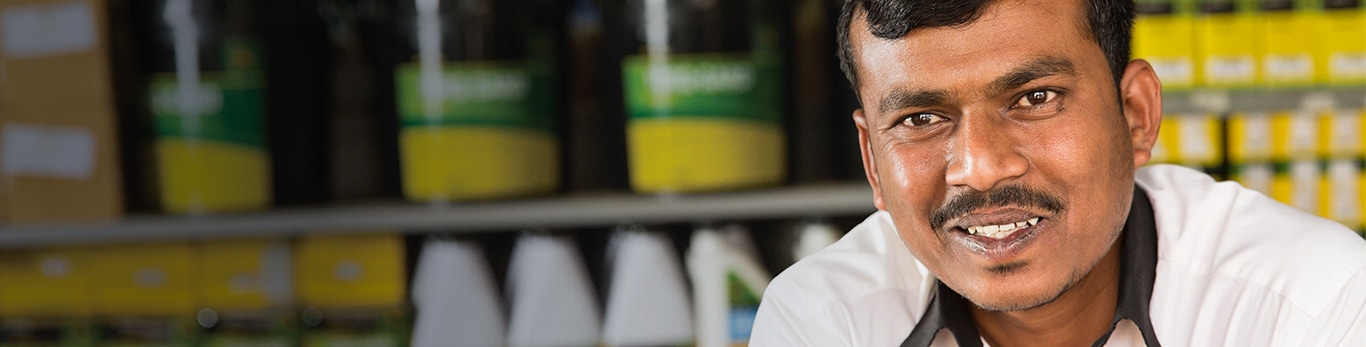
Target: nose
(984, 153)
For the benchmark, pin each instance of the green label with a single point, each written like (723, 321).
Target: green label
(730, 86)
(220, 105)
(503, 94)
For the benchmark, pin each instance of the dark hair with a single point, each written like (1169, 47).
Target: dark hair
(1111, 23)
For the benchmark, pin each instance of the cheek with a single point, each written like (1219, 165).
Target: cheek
(912, 175)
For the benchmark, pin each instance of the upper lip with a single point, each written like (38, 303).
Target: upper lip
(992, 216)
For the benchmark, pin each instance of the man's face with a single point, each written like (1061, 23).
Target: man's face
(1008, 127)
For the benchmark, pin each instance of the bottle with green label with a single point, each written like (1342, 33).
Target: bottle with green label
(704, 99)
(204, 72)
(477, 98)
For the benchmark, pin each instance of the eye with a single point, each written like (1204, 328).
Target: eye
(1036, 98)
(922, 119)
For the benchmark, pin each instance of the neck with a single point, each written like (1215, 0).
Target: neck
(1076, 318)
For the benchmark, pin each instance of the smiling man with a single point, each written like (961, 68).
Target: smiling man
(1003, 141)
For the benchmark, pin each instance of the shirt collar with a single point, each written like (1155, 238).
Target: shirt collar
(1138, 271)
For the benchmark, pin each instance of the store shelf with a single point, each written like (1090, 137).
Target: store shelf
(1224, 101)
(572, 211)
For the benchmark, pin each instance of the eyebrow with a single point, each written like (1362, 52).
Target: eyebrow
(1021, 75)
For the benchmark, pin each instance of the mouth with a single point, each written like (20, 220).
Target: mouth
(1000, 231)
(999, 236)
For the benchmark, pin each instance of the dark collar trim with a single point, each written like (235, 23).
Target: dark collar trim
(1138, 271)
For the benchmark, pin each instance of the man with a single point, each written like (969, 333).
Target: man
(1003, 141)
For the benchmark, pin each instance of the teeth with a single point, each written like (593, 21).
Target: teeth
(1003, 230)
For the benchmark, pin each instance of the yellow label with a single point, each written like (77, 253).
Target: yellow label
(1257, 176)
(1168, 147)
(1167, 42)
(1341, 130)
(1299, 186)
(1201, 143)
(246, 274)
(1342, 35)
(339, 271)
(701, 154)
(1294, 136)
(46, 283)
(1249, 137)
(1340, 198)
(1288, 48)
(1227, 50)
(442, 163)
(210, 176)
(146, 279)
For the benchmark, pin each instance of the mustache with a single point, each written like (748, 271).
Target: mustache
(1012, 195)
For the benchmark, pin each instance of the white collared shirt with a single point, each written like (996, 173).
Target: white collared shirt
(1235, 268)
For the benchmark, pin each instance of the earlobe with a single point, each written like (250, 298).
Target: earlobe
(1141, 95)
(869, 163)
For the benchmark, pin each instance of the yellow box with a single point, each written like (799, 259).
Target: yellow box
(1342, 32)
(1340, 195)
(146, 279)
(1167, 150)
(1249, 136)
(1254, 176)
(1288, 47)
(1294, 136)
(1341, 132)
(246, 274)
(1226, 46)
(339, 271)
(1201, 141)
(46, 283)
(1167, 41)
(1299, 185)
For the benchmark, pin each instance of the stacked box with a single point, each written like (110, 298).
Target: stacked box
(1286, 29)
(1226, 43)
(145, 294)
(1342, 45)
(352, 288)
(45, 298)
(58, 154)
(247, 291)
(1164, 36)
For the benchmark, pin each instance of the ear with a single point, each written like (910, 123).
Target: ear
(1141, 94)
(869, 163)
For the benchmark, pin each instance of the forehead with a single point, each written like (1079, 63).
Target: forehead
(1007, 33)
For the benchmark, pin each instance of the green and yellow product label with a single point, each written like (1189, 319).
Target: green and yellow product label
(477, 130)
(1164, 36)
(1342, 42)
(1227, 46)
(702, 122)
(50, 332)
(1294, 136)
(210, 146)
(1286, 31)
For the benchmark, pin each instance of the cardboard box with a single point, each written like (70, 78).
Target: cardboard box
(58, 154)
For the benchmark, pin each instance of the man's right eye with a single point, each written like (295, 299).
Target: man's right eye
(922, 119)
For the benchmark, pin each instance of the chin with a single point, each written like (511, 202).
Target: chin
(1019, 294)
(1014, 301)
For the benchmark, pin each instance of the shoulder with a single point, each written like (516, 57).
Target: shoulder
(1236, 265)
(866, 289)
